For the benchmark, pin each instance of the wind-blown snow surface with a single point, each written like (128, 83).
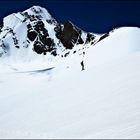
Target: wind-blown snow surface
(101, 102)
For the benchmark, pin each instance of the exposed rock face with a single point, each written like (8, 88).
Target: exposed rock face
(39, 34)
(39, 26)
(1, 25)
(90, 37)
(103, 36)
(39, 48)
(31, 35)
(3, 49)
(69, 35)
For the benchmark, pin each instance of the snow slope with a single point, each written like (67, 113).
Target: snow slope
(103, 101)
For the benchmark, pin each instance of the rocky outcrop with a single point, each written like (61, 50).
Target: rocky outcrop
(103, 36)
(90, 37)
(69, 35)
(31, 34)
(38, 34)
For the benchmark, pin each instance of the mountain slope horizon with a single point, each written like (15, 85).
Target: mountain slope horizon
(82, 90)
(35, 30)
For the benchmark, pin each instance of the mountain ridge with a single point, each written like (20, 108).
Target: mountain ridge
(42, 32)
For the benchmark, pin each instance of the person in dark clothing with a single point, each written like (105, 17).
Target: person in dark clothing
(82, 64)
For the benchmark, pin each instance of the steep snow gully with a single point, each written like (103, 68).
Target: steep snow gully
(45, 94)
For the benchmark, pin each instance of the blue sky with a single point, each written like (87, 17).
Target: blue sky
(91, 15)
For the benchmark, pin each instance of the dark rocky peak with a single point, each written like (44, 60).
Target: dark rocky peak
(68, 34)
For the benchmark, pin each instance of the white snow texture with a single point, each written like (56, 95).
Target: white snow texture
(103, 101)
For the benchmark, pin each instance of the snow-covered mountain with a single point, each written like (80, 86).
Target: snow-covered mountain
(45, 94)
(35, 31)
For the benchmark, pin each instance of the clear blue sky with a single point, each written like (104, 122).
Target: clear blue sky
(90, 15)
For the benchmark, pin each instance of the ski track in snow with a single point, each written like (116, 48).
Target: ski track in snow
(37, 71)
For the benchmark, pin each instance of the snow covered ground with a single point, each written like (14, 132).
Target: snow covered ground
(103, 101)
